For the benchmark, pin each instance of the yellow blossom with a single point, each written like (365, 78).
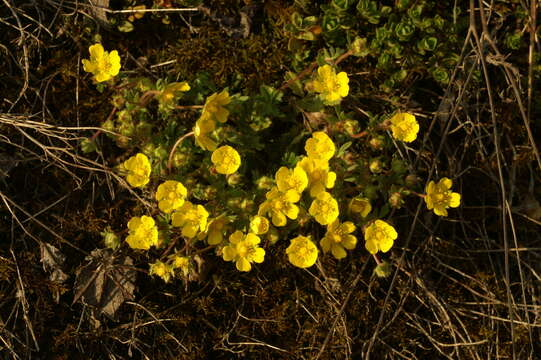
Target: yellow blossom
(214, 106)
(319, 175)
(404, 127)
(102, 64)
(279, 207)
(182, 263)
(143, 233)
(324, 208)
(226, 159)
(191, 218)
(379, 236)
(440, 197)
(360, 205)
(291, 182)
(215, 230)
(138, 170)
(331, 87)
(338, 237)
(171, 92)
(259, 225)
(320, 146)
(161, 269)
(302, 252)
(243, 250)
(202, 129)
(170, 196)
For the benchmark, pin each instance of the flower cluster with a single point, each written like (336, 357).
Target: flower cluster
(170, 196)
(302, 252)
(166, 270)
(439, 196)
(143, 233)
(404, 127)
(379, 236)
(361, 206)
(137, 170)
(324, 208)
(331, 87)
(191, 218)
(102, 64)
(243, 250)
(213, 111)
(226, 160)
(279, 206)
(215, 230)
(338, 238)
(319, 175)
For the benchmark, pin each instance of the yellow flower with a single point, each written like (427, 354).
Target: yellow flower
(440, 197)
(279, 207)
(182, 263)
(172, 92)
(259, 225)
(331, 87)
(404, 127)
(191, 218)
(379, 236)
(138, 170)
(291, 182)
(360, 206)
(319, 175)
(203, 127)
(102, 64)
(226, 159)
(215, 230)
(324, 208)
(302, 252)
(243, 250)
(143, 233)
(170, 196)
(319, 146)
(214, 106)
(162, 270)
(337, 238)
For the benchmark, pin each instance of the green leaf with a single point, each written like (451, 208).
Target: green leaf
(126, 27)
(343, 148)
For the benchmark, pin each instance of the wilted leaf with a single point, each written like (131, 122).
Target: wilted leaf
(97, 8)
(52, 260)
(105, 281)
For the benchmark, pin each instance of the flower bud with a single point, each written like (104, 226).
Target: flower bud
(383, 270)
(376, 166)
(234, 179)
(411, 180)
(376, 143)
(396, 200)
(264, 183)
(110, 239)
(399, 166)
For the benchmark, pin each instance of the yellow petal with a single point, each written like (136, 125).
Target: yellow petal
(259, 255)
(386, 244)
(96, 51)
(243, 265)
(371, 247)
(338, 251)
(455, 200)
(229, 253)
